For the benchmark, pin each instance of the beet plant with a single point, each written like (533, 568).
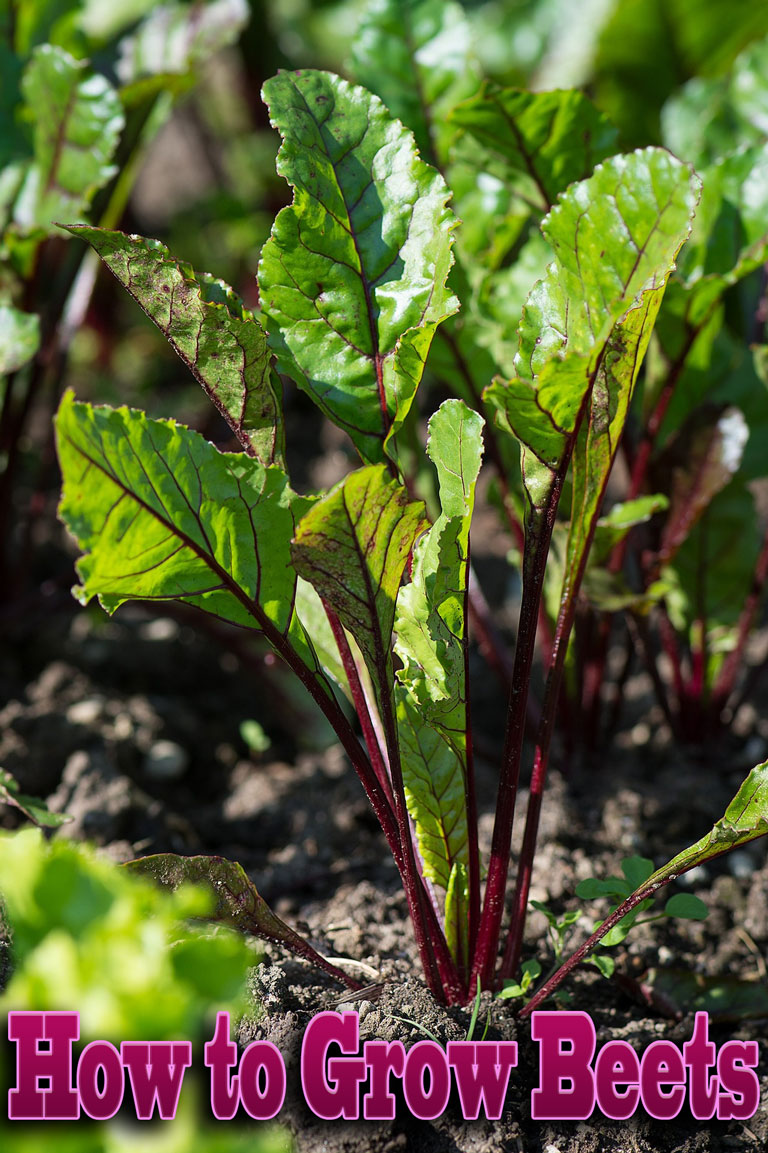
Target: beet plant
(694, 579)
(358, 591)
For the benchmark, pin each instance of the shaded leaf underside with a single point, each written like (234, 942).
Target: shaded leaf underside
(223, 346)
(352, 546)
(434, 788)
(615, 236)
(237, 900)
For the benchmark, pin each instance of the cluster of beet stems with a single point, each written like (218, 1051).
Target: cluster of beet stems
(381, 775)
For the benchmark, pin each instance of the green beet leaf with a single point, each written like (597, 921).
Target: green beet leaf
(543, 417)
(310, 611)
(600, 436)
(681, 38)
(162, 515)
(457, 914)
(514, 153)
(76, 917)
(222, 344)
(624, 516)
(745, 819)
(501, 294)
(434, 788)
(537, 142)
(78, 121)
(352, 279)
(696, 351)
(430, 623)
(615, 236)
(692, 349)
(618, 280)
(725, 545)
(352, 546)
(480, 196)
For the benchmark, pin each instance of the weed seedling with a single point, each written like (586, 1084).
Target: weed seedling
(636, 872)
(529, 972)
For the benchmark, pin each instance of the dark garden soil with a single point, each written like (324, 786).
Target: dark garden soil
(132, 726)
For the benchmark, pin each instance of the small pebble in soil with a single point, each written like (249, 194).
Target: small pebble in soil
(85, 712)
(755, 750)
(741, 863)
(697, 876)
(166, 761)
(269, 985)
(641, 734)
(122, 727)
(162, 629)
